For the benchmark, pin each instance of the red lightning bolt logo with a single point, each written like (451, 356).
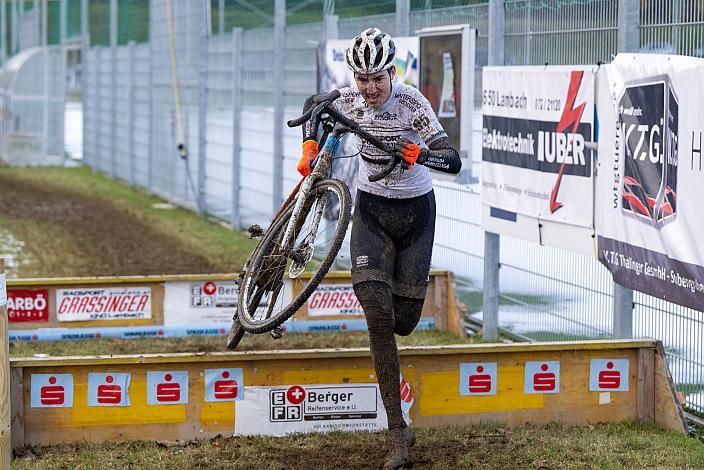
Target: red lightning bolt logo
(570, 115)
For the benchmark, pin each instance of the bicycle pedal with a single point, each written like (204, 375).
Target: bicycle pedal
(278, 332)
(255, 231)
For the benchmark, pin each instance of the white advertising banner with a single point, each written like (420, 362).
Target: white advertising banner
(278, 411)
(196, 303)
(538, 127)
(111, 303)
(649, 184)
(333, 300)
(334, 74)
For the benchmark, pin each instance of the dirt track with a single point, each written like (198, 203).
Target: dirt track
(69, 234)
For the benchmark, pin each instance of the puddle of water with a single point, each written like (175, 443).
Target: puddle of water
(12, 250)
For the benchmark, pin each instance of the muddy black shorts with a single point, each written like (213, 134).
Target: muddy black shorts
(392, 242)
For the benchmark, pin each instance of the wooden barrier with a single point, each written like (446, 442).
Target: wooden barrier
(5, 427)
(440, 301)
(440, 305)
(154, 283)
(580, 383)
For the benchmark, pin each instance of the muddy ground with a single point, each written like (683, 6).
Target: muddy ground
(67, 232)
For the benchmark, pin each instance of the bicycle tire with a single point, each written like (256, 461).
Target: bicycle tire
(237, 332)
(265, 261)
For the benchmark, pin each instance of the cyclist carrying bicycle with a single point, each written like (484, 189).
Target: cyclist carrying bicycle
(394, 218)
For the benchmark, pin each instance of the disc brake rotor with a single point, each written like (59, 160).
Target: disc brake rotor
(301, 256)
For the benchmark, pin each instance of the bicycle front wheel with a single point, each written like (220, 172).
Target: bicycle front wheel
(266, 298)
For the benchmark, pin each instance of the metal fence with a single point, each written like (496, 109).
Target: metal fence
(238, 86)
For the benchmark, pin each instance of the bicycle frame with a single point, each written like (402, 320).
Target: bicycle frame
(300, 194)
(321, 170)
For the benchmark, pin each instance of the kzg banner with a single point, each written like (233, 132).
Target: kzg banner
(649, 187)
(538, 124)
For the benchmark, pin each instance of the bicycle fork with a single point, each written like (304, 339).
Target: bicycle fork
(322, 168)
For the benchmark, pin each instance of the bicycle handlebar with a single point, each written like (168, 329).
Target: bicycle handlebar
(323, 104)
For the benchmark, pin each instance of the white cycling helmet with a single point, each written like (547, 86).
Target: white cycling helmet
(371, 52)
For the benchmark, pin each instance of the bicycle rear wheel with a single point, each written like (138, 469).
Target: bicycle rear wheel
(265, 301)
(237, 332)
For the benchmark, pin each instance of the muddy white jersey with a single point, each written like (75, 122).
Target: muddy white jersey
(408, 114)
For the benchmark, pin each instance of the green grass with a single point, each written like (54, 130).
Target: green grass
(106, 346)
(620, 446)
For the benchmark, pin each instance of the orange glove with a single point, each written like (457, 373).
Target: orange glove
(310, 151)
(408, 152)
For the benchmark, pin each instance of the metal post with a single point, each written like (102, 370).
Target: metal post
(63, 15)
(492, 242)
(331, 30)
(202, 107)
(469, 44)
(497, 32)
(37, 11)
(43, 18)
(279, 77)
(3, 32)
(236, 125)
(529, 36)
(628, 25)
(676, 22)
(221, 17)
(623, 312)
(490, 301)
(85, 51)
(5, 420)
(403, 17)
(331, 27)
(130, 113)
(96, 108)
(14, 20)
(628, 41)
(150, 112)
(113, 88)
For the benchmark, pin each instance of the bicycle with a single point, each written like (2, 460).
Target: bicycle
(282, 251)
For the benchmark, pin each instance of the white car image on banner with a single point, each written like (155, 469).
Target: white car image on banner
(649, 184)
(537, 154)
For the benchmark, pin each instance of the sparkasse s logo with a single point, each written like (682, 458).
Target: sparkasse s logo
(649, 120)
